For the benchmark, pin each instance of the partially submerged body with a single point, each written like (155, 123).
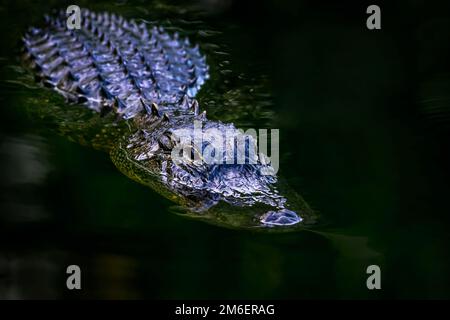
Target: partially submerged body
(143, 83)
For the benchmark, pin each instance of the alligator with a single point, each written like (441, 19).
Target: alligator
(149, 79)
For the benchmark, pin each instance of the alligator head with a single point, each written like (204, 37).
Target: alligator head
(204, 166)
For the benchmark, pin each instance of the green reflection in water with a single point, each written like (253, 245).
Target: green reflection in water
(363, 116)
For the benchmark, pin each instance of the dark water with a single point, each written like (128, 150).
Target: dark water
(364, 123)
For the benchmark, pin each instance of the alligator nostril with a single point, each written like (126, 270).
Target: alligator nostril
(282, 217)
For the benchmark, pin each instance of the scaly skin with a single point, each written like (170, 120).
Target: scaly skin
(143, 83)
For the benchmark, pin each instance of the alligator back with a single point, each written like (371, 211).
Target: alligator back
(112, 63)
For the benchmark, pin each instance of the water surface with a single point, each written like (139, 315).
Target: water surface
(361, 141)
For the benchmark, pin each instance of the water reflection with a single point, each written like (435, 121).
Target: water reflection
(28, 166)
(29, 275)
(115, 277)
(26, 157)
